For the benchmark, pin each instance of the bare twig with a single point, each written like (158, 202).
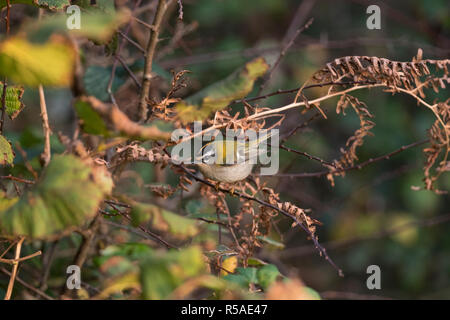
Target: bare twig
(15, 267)
(134, 43)
(17, 260)
(358, 166)
(46, 155)
(151, 234)
(319, 247)
(130, 72)
(26, 285)
(307, 155)
(283, 53)
(82, 253)
(337, 244)
(150, 52)
(119, 49)
(10, 177)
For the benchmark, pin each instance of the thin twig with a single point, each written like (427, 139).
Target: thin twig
(134, 43)
(319, 247)
(150, 52)
(119, 49)
(358, 166)
(47, 262)
(15, 267)
(17, 260)
(83, 250)
(317, 85)
(12, 244)
(151, 234)
(130, 72)
(25, 160)
(46, 155)
(26, 285)
(307, 155)
(337, 244)
(10, 177)
(283, 53)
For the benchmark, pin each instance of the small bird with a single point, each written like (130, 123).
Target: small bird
(229, 160)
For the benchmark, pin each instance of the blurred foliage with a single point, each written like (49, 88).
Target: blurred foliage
(371, 216)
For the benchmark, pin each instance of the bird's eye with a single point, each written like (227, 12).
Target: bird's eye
(208, 156)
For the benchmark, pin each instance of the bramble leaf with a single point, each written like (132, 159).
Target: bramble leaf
(14, 104)
(90, 121)
(6, 152)
(163, 220)
(66, 197)
(49, 64)
(95, 24)
(47, 4)
(218, 95)
(96, 80)
(267, 275)
(163, 272)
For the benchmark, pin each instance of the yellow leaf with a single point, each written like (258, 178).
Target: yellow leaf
(229, 264)
(218, 95)
(49, 64)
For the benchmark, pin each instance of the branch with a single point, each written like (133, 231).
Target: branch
(321, 249)
(17, 260)
(26, 285)
(336, 244)
(10, 177)
(12, 278)
(146, 231)
(356, 166)
(150, 52)
(123, 124)
(284, 51)
(116, 53)
(46, 155)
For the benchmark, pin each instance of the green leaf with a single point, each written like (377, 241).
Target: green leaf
(267, 275)
(129, 250)
(106, 6)
(96, 80)
(14, 102)
(47, 4)
(96, 113)
(97, 25)
(66, 197)
(49, 64)
(163, 272)
(218, 95)
(91, 122)
(5, 202)
(6, 152)
(243, 277)
(163, 220)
